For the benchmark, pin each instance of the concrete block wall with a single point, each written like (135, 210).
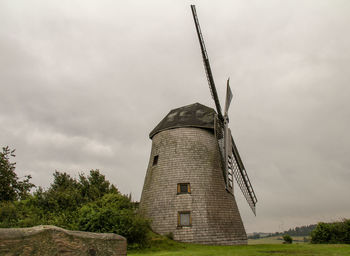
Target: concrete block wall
(190, 155)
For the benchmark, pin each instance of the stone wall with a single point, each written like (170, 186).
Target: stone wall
(51, 240)
(190, 155)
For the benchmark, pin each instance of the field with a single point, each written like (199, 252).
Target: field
(251, 250)
(273, 247)
(275, 240)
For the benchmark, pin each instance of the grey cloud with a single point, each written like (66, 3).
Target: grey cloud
(84, 83)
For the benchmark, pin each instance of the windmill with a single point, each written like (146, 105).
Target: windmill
(188, 188)
(233, 165)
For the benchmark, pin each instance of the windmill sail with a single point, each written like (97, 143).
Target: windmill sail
(241, 176)
(231, 161)
(207, 64)
(229, 97)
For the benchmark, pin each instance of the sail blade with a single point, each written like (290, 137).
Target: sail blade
(207, 68)
(229, 97)
(242, 178)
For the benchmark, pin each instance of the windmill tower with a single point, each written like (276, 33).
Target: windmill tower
(188, 188)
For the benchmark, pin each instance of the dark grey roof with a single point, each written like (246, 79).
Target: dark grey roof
(194, 115)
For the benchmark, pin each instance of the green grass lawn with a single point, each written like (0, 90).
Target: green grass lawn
(250, 250)
(161, 246)
(275, 240)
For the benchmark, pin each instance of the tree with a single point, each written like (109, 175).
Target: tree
(11, 187)
(59, 204)
(90, 203)
(95, 185)
(331, 233)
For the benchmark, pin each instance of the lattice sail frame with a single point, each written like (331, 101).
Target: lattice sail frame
(233, 166)
(219, 135)
(242, 178)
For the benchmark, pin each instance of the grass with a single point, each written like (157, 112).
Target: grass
(164, 247)
(275, 240)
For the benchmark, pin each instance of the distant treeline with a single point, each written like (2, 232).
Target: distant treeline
(322, 233)
(298, 231)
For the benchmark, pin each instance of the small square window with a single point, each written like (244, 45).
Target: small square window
(184, 219)
(155, 160)
(183, 188)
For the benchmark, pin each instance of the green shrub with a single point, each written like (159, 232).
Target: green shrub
(114, 213)
(333, 233)
(8, 214)
(287, 239)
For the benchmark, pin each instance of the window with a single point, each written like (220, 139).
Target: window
(184, 219)
(183, 188)
(155, 160)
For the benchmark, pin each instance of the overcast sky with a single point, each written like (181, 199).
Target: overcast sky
(84, 82)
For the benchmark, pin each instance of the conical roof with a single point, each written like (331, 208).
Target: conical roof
(194, 115)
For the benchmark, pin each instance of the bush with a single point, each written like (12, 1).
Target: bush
(114, 213)
(287, 239)
(331, 233)
(8, 214)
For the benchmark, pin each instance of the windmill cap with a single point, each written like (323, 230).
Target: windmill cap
(194, 115)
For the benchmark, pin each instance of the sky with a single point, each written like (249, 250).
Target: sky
(84, 82)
